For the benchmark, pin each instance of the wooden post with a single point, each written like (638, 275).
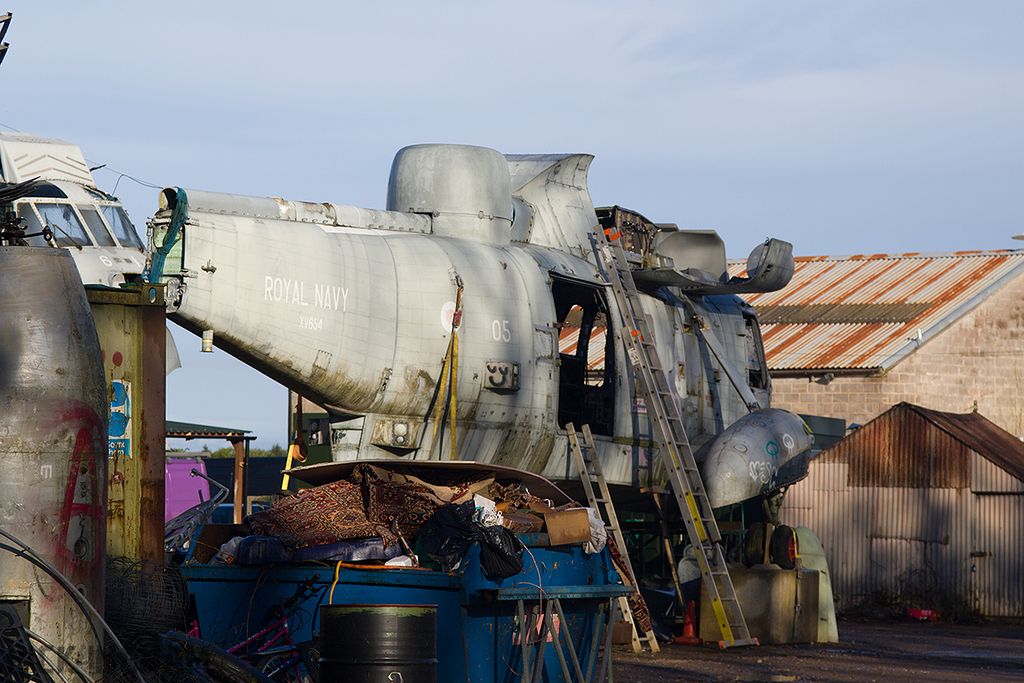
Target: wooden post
(239, 492)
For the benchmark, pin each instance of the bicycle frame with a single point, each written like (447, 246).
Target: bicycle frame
(275, 640)
(277, 634)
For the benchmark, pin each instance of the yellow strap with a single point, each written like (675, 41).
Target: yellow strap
(455, 377)
(288, 465)
(442, 383)
(450, 367)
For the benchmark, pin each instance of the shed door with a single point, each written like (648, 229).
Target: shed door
(997, 563)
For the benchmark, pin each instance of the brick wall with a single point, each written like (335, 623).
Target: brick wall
(980, 357)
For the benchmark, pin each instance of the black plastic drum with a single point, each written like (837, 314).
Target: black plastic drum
(378, 643)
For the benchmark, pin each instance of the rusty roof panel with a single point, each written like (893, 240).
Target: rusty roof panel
(568, 343)
(824, 346)
(911, 446)
(900, 448)
(869, 312)
(981, 436)
(795, 314)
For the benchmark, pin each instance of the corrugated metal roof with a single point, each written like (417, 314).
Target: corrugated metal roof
(901, 447)
(870, 312)
(568, 342)
(189, 430)
(981, 436)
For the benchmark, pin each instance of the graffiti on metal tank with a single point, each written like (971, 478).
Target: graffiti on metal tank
(761, 471)
(80, 535)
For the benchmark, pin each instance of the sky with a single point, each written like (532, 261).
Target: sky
(843, 128)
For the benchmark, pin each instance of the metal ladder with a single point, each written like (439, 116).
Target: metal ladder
(673, 445)
(590, 473)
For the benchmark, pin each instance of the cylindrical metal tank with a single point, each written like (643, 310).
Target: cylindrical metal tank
(466, 189)
(370, 643)
(53, 443)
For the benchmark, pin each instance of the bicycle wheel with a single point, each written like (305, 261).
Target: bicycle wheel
(310, 651)
(212, 662)
(281, 667)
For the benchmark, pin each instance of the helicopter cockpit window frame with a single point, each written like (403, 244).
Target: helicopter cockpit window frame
(32, 225)
(96, 226)
(757, 364)
(68, 229)
(122, 226)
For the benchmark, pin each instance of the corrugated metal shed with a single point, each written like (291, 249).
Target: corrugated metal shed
(919, 495)
(904, 448)
(867, 313)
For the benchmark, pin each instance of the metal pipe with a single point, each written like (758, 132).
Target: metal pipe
(90, 611)
(569, 645)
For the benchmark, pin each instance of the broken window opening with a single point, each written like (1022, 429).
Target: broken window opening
(586, 383)
(757, 366)
(637, 233)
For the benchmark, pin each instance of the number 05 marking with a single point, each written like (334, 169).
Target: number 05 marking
(500, 331)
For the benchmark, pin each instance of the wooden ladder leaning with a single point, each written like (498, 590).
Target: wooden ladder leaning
(590, 473)
(673, 444)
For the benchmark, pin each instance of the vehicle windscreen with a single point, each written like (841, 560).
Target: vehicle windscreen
(67, 229)
(122, 227)
(31, 225)
(96, 227)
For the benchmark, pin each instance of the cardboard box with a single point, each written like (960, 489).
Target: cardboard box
(522, 523)
(211, 538)
(568, 526)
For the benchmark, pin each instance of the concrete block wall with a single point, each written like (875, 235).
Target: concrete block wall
(980, 357)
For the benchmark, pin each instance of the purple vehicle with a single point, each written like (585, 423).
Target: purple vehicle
(187, 500)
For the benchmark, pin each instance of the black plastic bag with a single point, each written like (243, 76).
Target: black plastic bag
(449, 533)
(501, 552)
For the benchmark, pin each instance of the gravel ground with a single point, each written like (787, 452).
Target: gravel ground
(867, 652)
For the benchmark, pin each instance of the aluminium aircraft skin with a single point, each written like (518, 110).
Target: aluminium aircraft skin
(353, 309)
(90, 223)
(54, 190)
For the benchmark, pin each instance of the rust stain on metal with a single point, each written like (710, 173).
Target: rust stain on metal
(908, 447)
(151, 518)
(793, 289)
(947, 298)
(829, 355)
(859, 311)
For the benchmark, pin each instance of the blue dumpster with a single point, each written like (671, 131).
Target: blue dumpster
(555, 615)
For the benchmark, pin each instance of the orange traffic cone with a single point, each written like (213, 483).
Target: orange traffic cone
(689, 636)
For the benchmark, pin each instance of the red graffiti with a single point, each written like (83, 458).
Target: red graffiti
(81, 535)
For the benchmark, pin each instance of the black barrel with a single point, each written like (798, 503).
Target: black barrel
(378, 643)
